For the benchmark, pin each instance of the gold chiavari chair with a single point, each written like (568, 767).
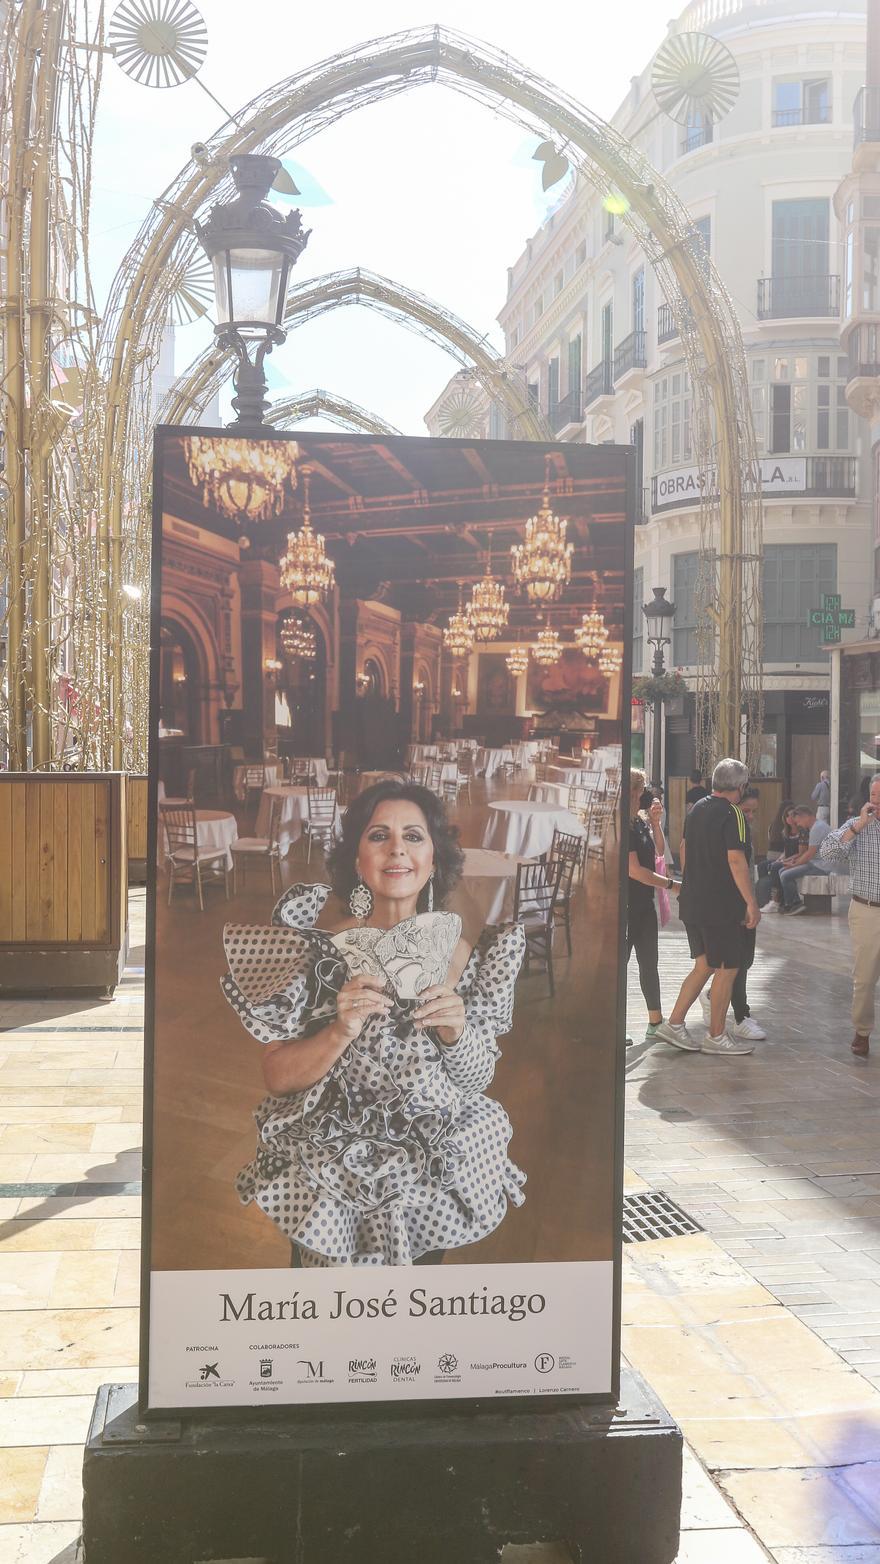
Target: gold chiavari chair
(184, 859)
(250, 847)
(320, 822)
(537, 886)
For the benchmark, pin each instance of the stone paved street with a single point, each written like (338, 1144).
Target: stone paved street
(763, 1336)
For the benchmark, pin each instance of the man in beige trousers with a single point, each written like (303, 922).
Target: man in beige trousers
(857, 845)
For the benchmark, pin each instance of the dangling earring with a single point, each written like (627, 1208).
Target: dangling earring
(431, 891)
(361, 899)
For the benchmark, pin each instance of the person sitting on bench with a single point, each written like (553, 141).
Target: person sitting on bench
(805, 862)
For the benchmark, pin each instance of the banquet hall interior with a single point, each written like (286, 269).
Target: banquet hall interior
(334, 609)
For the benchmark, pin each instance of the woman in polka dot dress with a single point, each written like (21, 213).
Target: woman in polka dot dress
(376, 1143)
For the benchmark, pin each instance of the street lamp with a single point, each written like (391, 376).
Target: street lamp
(658, 617)
(252, 248)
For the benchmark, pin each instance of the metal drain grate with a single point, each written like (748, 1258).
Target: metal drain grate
(654, 1216)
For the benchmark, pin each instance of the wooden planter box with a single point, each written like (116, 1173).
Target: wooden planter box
(136, 828)
(63, 882)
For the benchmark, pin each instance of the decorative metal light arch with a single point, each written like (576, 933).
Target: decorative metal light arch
(308, 300)
(291, 410)
(294, 110)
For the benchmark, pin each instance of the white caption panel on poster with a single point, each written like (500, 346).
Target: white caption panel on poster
(246, 1338)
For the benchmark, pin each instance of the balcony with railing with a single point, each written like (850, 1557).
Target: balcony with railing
(783, 298)
(807, 114)
(566, 411)
(696, 136)
(863, 353)
(600, 382)
(835, 476)
(866, 115)
(630, 355)
(667, 329)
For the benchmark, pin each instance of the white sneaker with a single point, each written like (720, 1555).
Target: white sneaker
(706, 1004)
(748, 1030)
(678, 1036)
(726, 1045)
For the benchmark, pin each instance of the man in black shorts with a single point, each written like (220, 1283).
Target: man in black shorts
(716, 903)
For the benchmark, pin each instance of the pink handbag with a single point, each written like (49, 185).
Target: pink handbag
(664, 909)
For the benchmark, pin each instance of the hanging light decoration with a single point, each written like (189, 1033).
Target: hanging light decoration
(245, 479)
(592, 633)
(306, 572)
(517, 660)
(458, 637)
(488, 609)
(610, 661)
(547, 650)
(298, 640)
(542, 564)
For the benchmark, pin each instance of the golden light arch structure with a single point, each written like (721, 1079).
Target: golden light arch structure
(299, 107)
(338, 410)
(396, 302)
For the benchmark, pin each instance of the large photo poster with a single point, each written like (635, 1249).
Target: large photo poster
(385, 1022)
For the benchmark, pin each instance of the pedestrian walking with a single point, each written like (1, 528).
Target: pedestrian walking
(745, 1026)
(857, 845)
(696, 791)
(806, 861)
(821, 797)
(646, 845)
(717, 900)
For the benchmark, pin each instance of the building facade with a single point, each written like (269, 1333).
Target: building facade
(587, 325)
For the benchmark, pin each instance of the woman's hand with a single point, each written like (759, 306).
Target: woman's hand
(357, 1000)
(655, 812)
(442, 1009)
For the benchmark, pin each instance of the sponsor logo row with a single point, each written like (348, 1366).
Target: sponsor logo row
(403, 1368)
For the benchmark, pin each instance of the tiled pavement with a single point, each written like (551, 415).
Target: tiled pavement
(762, 1334)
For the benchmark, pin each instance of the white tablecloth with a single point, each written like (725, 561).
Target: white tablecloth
(490, 760)
(521, 827)
(419, 753)
(524, 753)
(273, 776)
(294, 809)
(318, 765)
(485, 892)
(214, 829)
(550, 793)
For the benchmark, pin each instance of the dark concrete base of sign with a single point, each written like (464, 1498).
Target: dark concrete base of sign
(444, 1487)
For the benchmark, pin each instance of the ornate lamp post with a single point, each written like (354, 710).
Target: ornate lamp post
(658, 617)
(251, 248)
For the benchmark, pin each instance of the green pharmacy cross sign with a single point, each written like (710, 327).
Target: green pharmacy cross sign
(831, 618)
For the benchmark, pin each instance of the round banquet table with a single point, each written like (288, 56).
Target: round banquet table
(318, 767)
(485, 893)
(550, 793)
(525, 828)
(215, 828)
(294, 808)
(423, 752)
(491, 760)
(365, 779)
(272, 774)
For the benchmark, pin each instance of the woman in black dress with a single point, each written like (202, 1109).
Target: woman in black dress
(646, 844)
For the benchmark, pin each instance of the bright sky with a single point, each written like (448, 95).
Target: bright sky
(427, 188)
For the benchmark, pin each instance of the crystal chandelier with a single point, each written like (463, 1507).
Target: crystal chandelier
(298, 640)
(458, 637)
(592, 633)
(244, 479)
(610, 661)
(306, 572)
(488, 609)
(547, 650)
(542, 564)
(517, 660)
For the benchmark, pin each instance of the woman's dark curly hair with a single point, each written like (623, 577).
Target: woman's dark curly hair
(448, 856)
(776, 838)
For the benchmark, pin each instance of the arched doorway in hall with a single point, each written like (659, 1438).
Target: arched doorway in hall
(301, 699)
(179, 681)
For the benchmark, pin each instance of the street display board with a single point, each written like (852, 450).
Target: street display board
(385, 952)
